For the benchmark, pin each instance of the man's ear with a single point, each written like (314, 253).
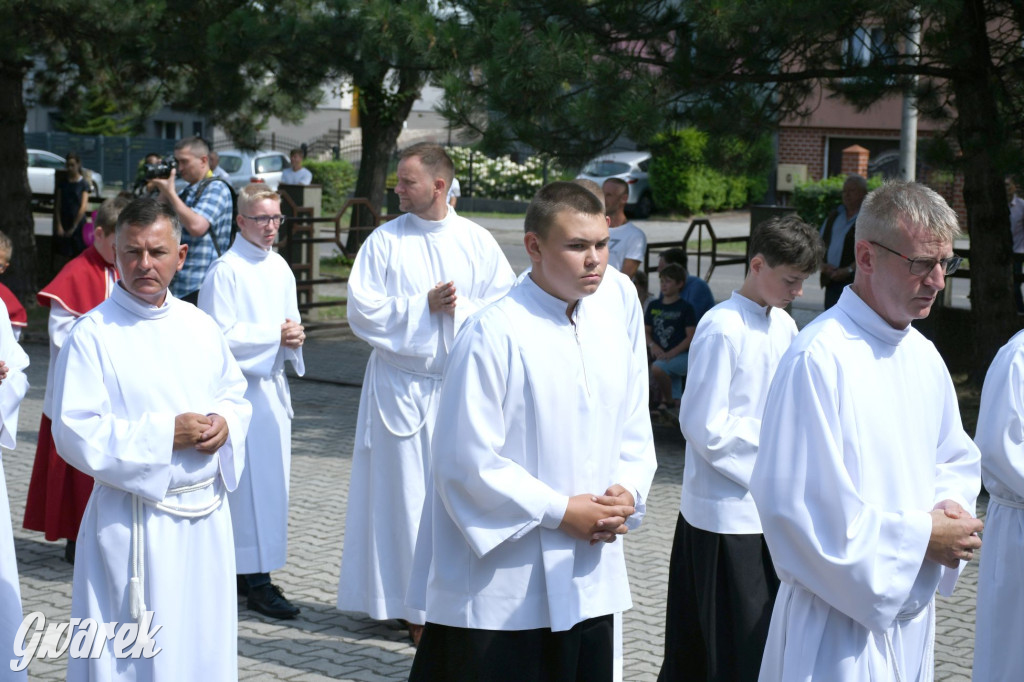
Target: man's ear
(864, 256)
(182, 250)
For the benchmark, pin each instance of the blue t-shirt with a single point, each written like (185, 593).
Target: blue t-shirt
(698, 294)
(668, 321)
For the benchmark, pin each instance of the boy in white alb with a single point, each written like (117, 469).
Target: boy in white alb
(721, 581)
(542, 456)
(250, 293)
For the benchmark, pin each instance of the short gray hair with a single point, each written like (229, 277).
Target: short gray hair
(900, 202)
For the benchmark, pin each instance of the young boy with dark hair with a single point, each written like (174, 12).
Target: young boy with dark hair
(542, 456)
(722, 584)
(669, 323)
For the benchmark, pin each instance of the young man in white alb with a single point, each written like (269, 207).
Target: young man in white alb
(250, 293)
(542, 457)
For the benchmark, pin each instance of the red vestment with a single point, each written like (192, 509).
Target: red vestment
(57, 492)
(15, 310)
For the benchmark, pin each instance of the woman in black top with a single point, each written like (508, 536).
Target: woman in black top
(73, 204)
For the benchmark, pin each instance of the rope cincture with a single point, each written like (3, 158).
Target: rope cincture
(136, 586)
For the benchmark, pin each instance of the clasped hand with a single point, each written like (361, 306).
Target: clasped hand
(204, 432)
(599, 518)
(293, 334)
(954, 534)
(442, 298)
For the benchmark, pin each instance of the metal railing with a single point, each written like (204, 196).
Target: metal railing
(708, 257)
(298, 245)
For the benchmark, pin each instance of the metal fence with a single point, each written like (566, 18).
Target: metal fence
(115, 158)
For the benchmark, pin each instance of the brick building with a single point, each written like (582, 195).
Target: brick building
(818, 141)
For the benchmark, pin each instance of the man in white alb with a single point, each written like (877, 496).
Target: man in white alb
(542, 456)
(628, 242)
(865, 482)
(250, 293)
(413, 284)
(163, 433)
(999, 628)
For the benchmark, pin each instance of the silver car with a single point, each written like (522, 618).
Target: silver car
(630, 167)
(246, 166)
(41, 167)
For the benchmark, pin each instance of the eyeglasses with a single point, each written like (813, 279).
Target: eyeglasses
(919, 267)
(264, 220)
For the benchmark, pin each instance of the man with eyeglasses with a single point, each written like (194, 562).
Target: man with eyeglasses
(250, 293)
(866, 481)
(204, 209)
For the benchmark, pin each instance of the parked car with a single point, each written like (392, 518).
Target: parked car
(245, 166)
(41, 167)
(628, 166)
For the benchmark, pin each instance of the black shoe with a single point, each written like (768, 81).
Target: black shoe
(243, 586)
(270, 601)
(69, 552)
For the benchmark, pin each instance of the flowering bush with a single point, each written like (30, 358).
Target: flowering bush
(501, 178)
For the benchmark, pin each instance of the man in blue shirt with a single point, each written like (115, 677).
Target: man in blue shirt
(837, 233)
(695, 290)
(204, 209)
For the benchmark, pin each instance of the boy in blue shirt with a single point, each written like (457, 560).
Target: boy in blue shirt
(669, 322)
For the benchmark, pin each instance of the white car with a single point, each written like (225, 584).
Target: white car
(628, 166)
(260, 166)
(41, 167)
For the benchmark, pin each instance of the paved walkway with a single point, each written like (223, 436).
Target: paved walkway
(324, 644)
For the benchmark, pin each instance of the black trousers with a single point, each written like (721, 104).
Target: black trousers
(449, 654)
(721, 590)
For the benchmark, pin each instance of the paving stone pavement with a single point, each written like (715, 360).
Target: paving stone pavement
(325, 644)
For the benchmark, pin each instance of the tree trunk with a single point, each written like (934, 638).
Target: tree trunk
(15, 196)
(382, 115)
(981, 137)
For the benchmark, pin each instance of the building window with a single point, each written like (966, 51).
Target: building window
(869, 46)
(168, 130)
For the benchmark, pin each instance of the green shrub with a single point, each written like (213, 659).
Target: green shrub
(814, 200)
(693, 172)
(338, 179)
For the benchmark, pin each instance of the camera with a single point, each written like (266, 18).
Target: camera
(161, 169)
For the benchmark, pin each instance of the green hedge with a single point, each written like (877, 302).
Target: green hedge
(814, 200)
(338, 179)
(694, 172)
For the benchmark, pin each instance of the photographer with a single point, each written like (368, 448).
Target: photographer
(204, 209)
(151, 167)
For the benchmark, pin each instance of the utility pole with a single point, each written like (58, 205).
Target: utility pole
(908, 129)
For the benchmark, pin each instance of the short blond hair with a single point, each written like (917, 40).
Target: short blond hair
(253, 193)
(6, 245)
(109, 211)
